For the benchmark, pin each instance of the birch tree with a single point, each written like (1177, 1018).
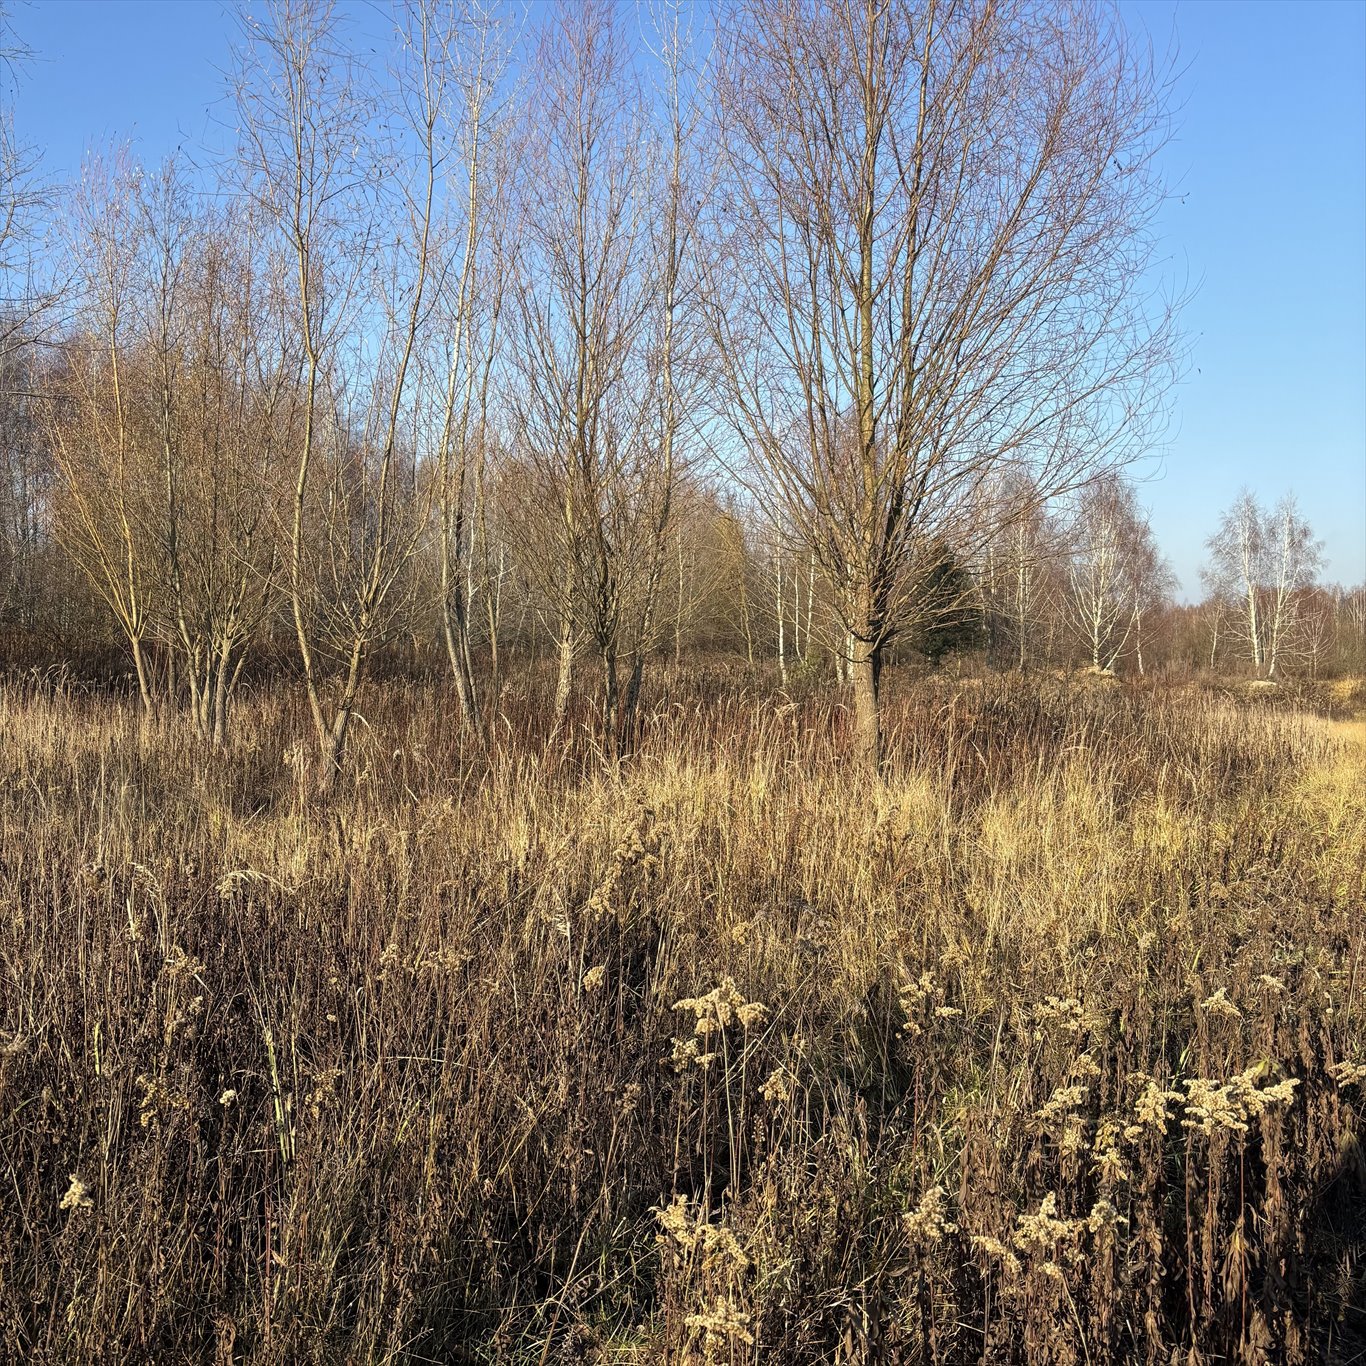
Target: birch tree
(1105, 572)
(1294, 559)
(1261, 563)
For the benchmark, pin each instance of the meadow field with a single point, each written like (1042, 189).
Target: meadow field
(1047, 1047)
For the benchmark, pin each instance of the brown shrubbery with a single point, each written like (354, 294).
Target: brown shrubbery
(1049, 1048)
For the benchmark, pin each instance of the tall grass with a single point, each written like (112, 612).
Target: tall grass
(1047, 1049)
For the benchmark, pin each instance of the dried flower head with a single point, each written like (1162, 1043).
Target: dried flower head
(721, 1007)
(1219, 1004)
(1063, 1099)
(1348, 1073)
(993, 1247)
(77, 1195)
(928, 1222)
(777, 1089)
(1109, 1164)
(721, 1325)
(1212, 1106)
(1152, 1105)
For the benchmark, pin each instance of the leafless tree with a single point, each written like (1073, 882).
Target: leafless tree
(1154, 584)
(345, 174)
(107, 486)
(1111, 572)
(581, 306)
(466, 53)
(1260, 563)
(216, 404)
(1236, 571)
(161, 416)
(938, 217)
(22, 194)
(673, 337)
(1317, 617)
(23, 467)
(1214, 614)
(1018, 565)
(1294, 559)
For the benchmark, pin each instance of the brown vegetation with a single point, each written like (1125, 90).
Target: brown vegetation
(1047, 1047)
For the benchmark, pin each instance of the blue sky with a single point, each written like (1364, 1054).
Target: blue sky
(1268, 224)
(1269, 160)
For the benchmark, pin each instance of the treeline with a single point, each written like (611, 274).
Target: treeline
(1070, 589)
(818, 333)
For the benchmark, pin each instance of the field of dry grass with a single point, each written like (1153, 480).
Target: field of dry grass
(1049, 1048)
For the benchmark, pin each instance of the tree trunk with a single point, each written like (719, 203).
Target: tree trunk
(865, 673)
(810, 596)
(566, 676)
(611, 701)
(220, 706)
(333, 752)
(634, 687)
(493, 609)
(332, 739)
(457, 636)
(678, 617)
(782, 643)
(140, 669)
(1254, 629)
(744, 614)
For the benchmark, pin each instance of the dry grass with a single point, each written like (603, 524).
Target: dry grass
(1047, 1050)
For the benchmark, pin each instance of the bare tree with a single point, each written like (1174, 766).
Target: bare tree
(24, 467)
(22, 194)
(1260, 563)
(939, 219)
(1294, 559)
(467, 54)
(672, 334)
(1017, 567)
(1154, 583)
(347, 183)
(26, 479)
(162, 419)
(106, 485)
(216, 406)
(580, 320)
(1236, 571)
(1318, 619)
(1351, 628)
(1109, 572)
(1215, 615)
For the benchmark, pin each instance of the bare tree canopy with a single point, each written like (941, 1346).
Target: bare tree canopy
(563, 348)
(939, 219)
(1262, 562)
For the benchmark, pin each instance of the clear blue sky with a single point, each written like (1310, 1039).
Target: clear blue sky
(1268, 160)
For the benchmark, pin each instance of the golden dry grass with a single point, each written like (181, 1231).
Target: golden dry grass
(1048, 1048)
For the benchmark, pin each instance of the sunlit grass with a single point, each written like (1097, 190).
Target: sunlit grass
(1046, 1048)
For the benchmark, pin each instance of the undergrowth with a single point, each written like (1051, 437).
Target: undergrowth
(1047, 1048)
